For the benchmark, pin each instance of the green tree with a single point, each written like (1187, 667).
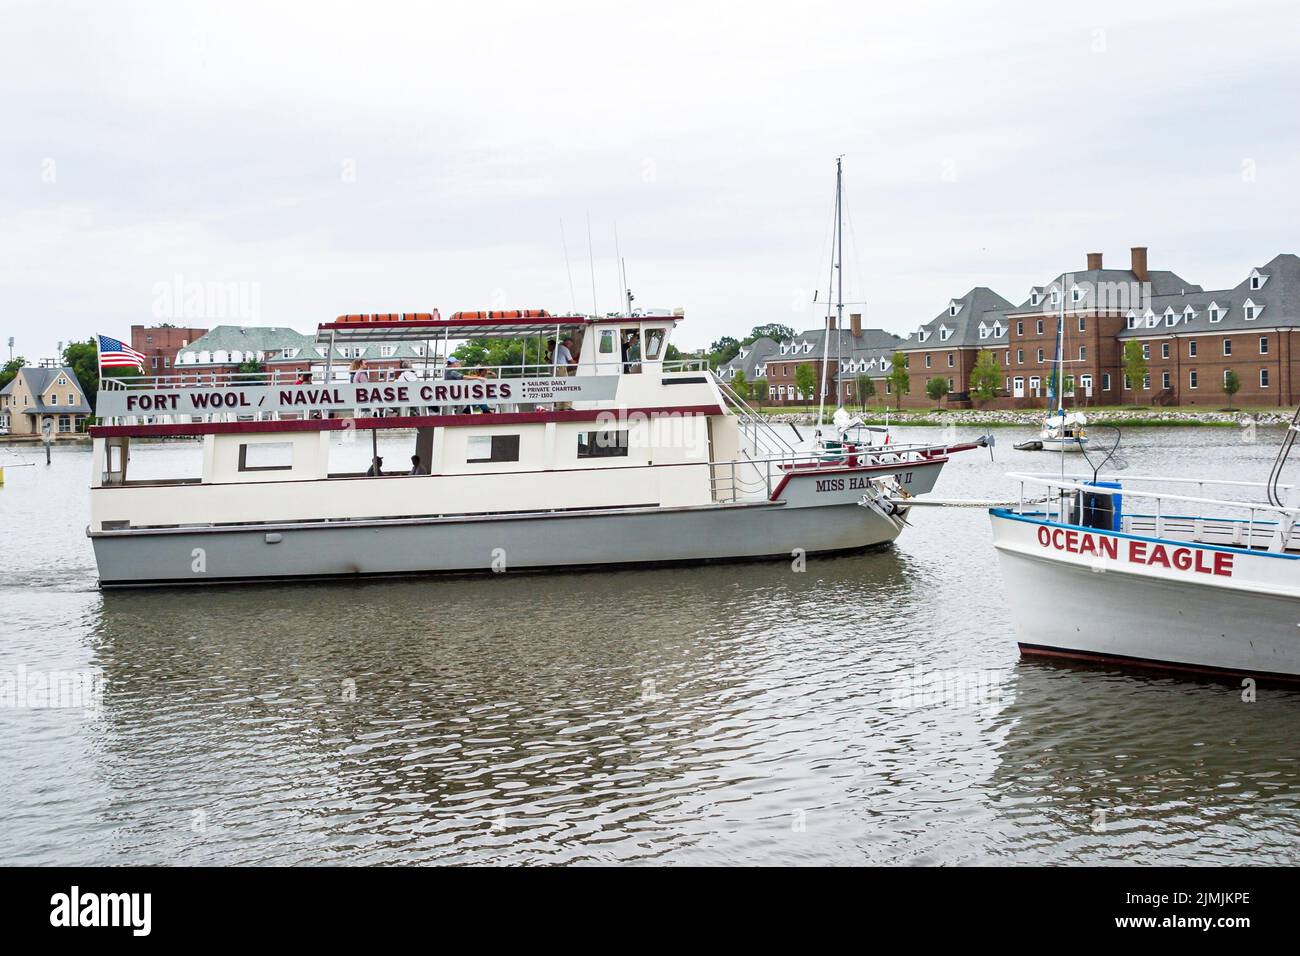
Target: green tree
(936, 388)
(740, 385)
(773, 331)
(759, 387)
(10, 370)
(805, 379)
(900, 380)
(249, 371)
(1135, 364)
(1231, 385)
(986, 376)
(865, 388)
(723, 351)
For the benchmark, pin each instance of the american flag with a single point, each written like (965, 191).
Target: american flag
(115, 354)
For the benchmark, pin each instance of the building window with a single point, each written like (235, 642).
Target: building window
(1191, 379)
(1251, 311)
(1040, 326)
(1040, 355)
(950, 359)
(153, 362)
(54, 398)
(1146, 383)
(1263, 345)
(480, 449)
(1035, 383)
(927, 360)
(950, 385)
(603, 444)
(1191, 348)
(1164, 379)
(1020, 326)
(1255, 282)
(1164, 350)
(1075, 294)
(1008, 358)
(1105, 381)
(1227, 346)
(1263, 378)
(1083, 353)
(1086, 382)
(1020, 356)
(1081, 324)
(1146, 350)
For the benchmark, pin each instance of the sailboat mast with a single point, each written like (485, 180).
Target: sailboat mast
(838, 250)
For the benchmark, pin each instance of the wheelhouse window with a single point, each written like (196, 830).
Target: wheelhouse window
(481, 449)
(266, 456)
(608, 443)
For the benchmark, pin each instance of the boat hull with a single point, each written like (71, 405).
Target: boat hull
(1087, 604)
(537, 542)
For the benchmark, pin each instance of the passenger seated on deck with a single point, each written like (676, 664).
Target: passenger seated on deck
(376, 468)
(416, 467)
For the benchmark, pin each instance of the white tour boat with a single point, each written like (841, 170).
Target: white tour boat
(621, 459)
(1125, 572)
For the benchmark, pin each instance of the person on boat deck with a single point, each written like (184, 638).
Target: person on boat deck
(453, 374)
(376, 468)
(564, 358)
(482, 372)
(632, 357)
(416, 467)
(359, 371)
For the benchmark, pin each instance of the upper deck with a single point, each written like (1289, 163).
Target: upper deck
(619, 361)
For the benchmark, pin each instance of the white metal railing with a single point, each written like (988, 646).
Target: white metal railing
(1063, 502)
(749, 478)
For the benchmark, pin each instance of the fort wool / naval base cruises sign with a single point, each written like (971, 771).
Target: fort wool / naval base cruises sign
(351, 396)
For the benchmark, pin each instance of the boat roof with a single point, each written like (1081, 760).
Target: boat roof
(461, 328)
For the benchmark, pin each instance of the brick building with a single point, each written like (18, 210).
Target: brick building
(160, 343)
(845, 353)
(947, 346)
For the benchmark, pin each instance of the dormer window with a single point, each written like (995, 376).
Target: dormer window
(997, 329)
(1056, 296)
(984, 331)
(1132, 320)
(784, 348)
(1257, 280)
(807, 347)
(1035, 297)
(1152, 320)
(1252, 310)
(953, 307)
(1076, 294)
(1216, 313)
(923, 335)
(1188, 314)
(945, 333)
(1171, 317)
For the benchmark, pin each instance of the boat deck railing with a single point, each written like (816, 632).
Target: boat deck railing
(747, 478)
(1201, 517)
(340, 374)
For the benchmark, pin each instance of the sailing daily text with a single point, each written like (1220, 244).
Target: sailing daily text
(1149, 553)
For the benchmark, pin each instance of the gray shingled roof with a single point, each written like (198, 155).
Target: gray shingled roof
(981, 306)
(807, 346)
(1098, 281)
(1277, 301)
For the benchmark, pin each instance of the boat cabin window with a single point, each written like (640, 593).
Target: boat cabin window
(607, 342)
(480, 449)
(266, 456)
(609, 443)
(655, 336)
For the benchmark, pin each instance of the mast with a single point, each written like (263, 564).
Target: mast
(837, 247)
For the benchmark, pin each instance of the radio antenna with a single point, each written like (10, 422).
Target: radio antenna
(591, 259)
(573, 296)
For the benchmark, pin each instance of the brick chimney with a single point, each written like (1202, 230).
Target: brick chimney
(1140, 263)
(1094, 261)
(830, 322)
(855, 324)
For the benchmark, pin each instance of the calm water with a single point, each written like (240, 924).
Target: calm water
(730, 714)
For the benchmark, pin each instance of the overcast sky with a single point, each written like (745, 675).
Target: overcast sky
(340, 157)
